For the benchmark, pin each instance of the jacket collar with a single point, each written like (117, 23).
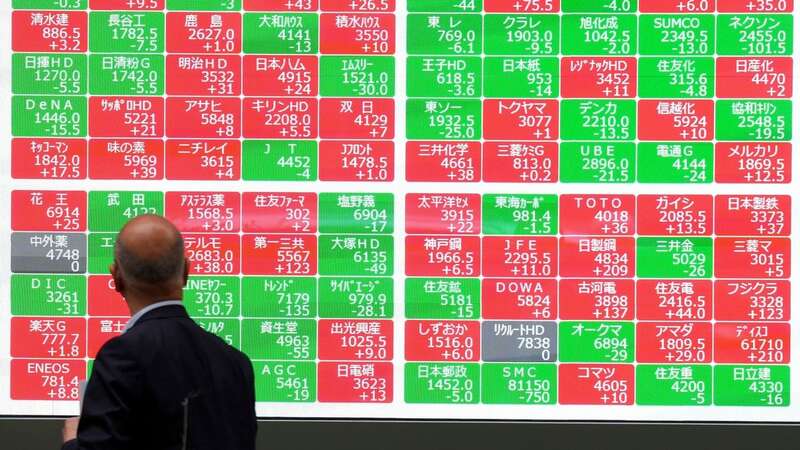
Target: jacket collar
(160, 310)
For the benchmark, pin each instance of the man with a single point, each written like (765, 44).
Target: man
(165, 383)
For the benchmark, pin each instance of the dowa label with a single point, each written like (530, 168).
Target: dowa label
(515, 298)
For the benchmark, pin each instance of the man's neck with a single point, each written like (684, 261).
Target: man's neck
(136, 304)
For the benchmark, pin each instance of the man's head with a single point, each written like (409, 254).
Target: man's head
(149, 261)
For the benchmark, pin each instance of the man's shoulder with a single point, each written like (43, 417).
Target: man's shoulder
(121, 344)
(224, 347)
(149, 335)
(119, 350)
(158, 333)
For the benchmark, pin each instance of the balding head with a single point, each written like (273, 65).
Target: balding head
(149, 258)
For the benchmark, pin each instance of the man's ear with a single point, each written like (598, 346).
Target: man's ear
(115, 275)
(185, 270)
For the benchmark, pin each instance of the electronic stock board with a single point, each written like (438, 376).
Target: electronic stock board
(444, 209)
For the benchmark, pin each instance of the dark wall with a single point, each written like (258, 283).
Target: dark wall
(37, 434)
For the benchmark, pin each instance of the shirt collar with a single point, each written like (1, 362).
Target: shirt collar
(135, 318)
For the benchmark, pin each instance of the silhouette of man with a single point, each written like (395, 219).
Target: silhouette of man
(165, 383)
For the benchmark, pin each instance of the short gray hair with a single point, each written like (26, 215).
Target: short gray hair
(166, 266)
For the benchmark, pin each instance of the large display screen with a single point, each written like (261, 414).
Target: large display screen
(444, 209)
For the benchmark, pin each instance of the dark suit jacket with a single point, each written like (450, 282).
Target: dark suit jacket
(168, 384)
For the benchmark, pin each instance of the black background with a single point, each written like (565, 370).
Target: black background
(43, 434)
